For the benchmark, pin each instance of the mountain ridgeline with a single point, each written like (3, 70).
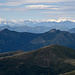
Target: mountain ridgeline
(71, 30)
(12, 41)
(49, 60)
(36, 26)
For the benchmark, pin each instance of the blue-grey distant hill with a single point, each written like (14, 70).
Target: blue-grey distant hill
(71, 30)
(38, 27)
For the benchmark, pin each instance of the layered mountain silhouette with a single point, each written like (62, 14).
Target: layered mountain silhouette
(71, 30)
(35, 26)
(12, 41)
(36, 29)
(49, 60)
(52, 37)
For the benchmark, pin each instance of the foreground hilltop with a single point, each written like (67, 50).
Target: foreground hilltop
(49, 60)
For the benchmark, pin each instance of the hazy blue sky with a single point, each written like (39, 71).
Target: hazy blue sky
(37, 9)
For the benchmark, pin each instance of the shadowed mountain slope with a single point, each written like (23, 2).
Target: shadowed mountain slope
(49, 60)
(11, 40)
(71, 30)
(52, 37)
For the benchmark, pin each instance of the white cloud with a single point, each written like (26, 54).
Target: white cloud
(31, 7)
(11, 3)
(52, 12)
(57, 20)
(20, 2)
(37, 6)
(5, 9)
(68, 5)
(51, 8)
(43, 20)
(40, 7)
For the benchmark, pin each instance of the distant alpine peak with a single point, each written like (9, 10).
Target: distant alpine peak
(5, 30)
(35, 20)
(53, 30)
(1, 19)
(61, 24)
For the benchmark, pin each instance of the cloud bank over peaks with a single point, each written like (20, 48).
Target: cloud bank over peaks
(1, 19)
(42, 20)
(29, 21)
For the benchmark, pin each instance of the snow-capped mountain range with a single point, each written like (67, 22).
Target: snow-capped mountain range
(11, 23)
(36, 26)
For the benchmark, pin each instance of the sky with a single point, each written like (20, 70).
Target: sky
(37, 9)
